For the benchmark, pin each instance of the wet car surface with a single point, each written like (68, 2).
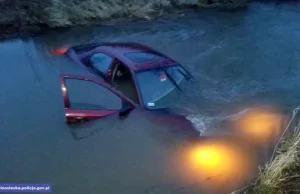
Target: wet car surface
(144, 75)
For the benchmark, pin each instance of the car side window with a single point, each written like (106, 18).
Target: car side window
(84, 94)
(101, 62)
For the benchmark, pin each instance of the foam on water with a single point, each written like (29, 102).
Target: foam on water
(201, 123)
(205, 123)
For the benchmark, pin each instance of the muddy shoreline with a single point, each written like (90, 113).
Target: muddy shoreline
(14, 28)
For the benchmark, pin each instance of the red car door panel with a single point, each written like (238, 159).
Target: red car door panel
(89, 98)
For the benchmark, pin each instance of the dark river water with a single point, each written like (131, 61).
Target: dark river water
(242, 61)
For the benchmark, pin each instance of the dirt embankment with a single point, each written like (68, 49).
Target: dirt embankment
(20, 15)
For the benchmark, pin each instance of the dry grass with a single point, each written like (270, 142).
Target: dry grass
(62, 13)
(278, 172)
(282, 175)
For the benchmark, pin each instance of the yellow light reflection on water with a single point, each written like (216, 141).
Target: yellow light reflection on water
(221, 164)
(218, 164)
(213, 159)
(259, 125)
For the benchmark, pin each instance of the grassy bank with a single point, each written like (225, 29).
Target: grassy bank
(17, 15)
(282, 175)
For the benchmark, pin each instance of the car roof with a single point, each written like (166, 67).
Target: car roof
(119, 50)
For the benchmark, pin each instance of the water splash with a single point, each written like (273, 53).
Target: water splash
(201, 123)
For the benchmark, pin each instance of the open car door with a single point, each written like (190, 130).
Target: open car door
(89, 98)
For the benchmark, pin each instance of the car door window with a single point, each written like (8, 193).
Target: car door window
(84, 94)
(101, 62)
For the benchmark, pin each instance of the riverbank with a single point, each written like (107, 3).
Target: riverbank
(36, 16)
(281, 175)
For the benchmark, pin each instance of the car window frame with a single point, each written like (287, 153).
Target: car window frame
(133, 75)
(104, 75)
(108, 76)
(86, 57)
(91, 79)
(74, 116)
(108, 109)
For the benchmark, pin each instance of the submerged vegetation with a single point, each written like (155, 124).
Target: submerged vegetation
(20, 14)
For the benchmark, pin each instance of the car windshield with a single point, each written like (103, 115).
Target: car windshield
(161, 88)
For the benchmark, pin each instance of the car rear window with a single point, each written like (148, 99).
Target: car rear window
(143, 56)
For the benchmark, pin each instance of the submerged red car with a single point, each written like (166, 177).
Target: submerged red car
(128, 75)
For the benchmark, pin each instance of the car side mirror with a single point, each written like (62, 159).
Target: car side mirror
(125, 111)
